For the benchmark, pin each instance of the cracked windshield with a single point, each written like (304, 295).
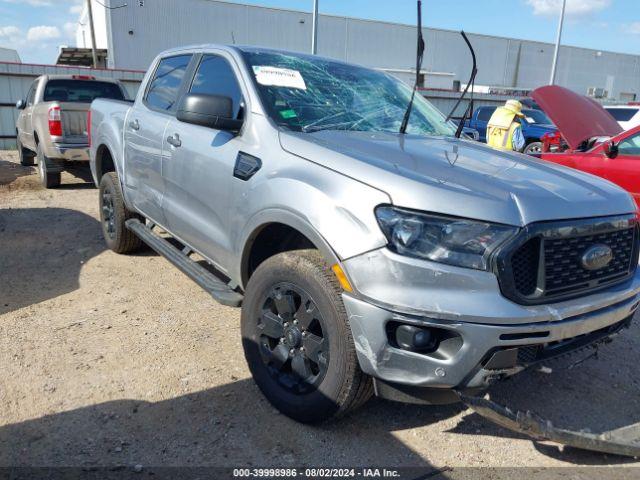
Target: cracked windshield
(308, 94)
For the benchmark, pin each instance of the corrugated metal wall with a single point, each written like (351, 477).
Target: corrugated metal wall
(16, 78)
(138, 33)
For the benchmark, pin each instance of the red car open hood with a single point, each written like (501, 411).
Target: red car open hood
(578, 118)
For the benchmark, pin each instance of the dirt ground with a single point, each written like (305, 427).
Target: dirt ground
(122, 360)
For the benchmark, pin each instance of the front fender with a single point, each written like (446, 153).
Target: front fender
(333, 211)
(536, 133)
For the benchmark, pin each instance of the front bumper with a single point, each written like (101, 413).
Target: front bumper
(468, 304)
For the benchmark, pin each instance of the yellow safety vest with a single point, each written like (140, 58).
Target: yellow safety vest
(500, 129)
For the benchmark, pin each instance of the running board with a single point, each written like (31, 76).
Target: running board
(624, 441)
(219, 290)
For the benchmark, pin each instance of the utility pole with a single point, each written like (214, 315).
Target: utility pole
(554, 65)
(314, 34)
(94, 54)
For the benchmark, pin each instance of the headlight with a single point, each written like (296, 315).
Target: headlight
(455, 241)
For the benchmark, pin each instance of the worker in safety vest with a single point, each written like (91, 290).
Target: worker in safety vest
(504, 131)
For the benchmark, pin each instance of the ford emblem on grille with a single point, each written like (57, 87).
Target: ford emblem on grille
(596, 257)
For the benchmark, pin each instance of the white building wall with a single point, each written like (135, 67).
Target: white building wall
(9, 55)
(83, 32)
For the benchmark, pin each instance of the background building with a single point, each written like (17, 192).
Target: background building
(9, 55)
(135, 33)
(83, 32)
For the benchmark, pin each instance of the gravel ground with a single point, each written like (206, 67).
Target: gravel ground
(122, 360)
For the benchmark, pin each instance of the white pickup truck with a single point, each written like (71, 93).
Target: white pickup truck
(52, 125)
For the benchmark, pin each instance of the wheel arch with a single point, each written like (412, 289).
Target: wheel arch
(276, 232)
(104, 162)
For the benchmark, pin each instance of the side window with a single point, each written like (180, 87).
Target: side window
(630, 146)
(162, 92)
(485, 114)
(216, 77)
(32, 93)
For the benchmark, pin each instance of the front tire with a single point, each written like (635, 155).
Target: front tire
(297, 340)
(114, 214)
(47, 179)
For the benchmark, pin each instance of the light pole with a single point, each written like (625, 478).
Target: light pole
(554, 65)
(314, 33)
(94, 54)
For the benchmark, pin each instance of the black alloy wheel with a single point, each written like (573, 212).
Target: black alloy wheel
(297, 339)
(293, 339)
(108, 213)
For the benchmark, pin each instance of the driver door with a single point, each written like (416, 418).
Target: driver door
(624, 169)
(26, 119)
(198, 167)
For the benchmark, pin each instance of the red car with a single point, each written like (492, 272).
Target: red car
(592, 140)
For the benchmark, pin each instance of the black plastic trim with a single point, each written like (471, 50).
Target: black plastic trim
(246, 166)
(209, 282)
(502, 266)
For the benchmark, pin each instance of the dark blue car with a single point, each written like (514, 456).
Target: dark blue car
(534, 125)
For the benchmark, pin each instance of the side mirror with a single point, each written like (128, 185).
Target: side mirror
(213, 111)
(21, 104)
(611, 149)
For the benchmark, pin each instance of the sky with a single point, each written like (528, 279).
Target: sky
(36, 28)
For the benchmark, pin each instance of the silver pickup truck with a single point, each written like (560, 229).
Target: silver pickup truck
(418, 265)
(52, 124)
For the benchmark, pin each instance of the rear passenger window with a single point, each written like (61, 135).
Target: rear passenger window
(484, 114)
(163, 88)
(32, 93)
(622, 114)
(216, 77)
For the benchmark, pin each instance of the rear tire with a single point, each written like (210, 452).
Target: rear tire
(114, 214)
(297, 339)
(27, 157)
(533, 147)
(47, 178)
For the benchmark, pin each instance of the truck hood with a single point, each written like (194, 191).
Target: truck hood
(578, 118)
(460, 177)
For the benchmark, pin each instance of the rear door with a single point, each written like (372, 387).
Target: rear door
(26, 118)
(144, 133)
(199, 172)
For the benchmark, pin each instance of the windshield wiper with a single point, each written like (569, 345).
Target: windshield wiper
(471, 83)
(419, 57)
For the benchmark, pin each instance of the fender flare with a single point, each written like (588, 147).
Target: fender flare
(104, 143)
(276, 215)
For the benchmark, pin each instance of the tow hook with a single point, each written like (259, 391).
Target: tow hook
(624, 441)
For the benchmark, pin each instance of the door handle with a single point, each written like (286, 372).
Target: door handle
(174, 140)
(134, 124)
